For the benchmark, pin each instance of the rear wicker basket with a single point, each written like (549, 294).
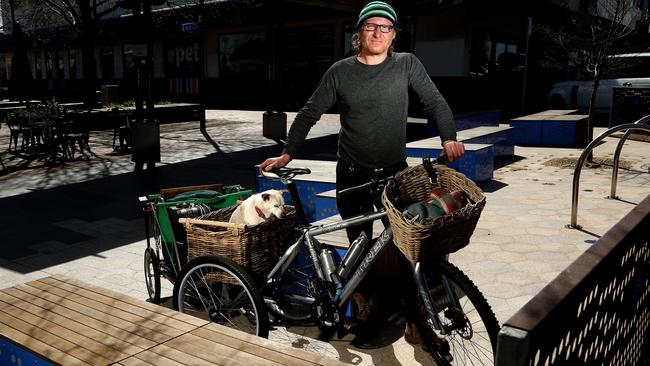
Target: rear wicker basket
(256, 248)
(443, 235)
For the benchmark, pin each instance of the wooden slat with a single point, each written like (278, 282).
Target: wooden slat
(302, 356)
(73, 323)
(9, 324)
(150, 357)
(216, 353)
(80, 340)
(124, 334)
(173, 355)
(108, 309)
(106, 319)
(122, 305)
(37, 347)
(127, 299)
(134, 361)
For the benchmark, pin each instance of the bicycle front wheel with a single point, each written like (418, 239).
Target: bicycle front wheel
(469, 327)
(219, 290)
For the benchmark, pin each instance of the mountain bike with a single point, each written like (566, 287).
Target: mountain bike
(309, 283)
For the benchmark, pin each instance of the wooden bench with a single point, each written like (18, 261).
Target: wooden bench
(62, 321)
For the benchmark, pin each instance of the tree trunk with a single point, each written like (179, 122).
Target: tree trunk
(592, 114)
(87, 39)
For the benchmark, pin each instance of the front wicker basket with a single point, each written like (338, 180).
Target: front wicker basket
(443, 235)
(256, 247)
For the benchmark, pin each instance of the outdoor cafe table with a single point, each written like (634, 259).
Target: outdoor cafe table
(62, 321)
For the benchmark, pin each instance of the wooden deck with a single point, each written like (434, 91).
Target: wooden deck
(67, 322)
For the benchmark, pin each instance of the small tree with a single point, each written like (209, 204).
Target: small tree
(595, 36)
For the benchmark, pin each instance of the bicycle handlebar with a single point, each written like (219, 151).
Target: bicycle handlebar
(378, 182)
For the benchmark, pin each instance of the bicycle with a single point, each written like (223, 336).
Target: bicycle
(454, 319)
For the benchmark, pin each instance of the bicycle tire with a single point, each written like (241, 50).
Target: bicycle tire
(290, 299)
(219, 290)
(470, 326)
(152, 275)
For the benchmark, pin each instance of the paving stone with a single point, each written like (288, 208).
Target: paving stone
(520, 243)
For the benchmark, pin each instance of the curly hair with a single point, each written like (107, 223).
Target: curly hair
(356, 44)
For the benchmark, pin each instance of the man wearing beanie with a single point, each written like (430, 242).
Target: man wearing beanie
(372, 91)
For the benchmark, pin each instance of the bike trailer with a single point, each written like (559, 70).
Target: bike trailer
(192, 201)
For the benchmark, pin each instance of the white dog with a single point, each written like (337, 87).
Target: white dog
(259, 207)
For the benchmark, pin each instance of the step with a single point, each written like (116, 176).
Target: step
(551, 128)
(464, 121)
(326, 204)
(501, 136)
(477, 163)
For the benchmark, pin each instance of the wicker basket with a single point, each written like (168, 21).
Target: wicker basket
(257, 248)
(443, 235)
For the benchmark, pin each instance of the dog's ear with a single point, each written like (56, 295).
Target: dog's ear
(266, 196)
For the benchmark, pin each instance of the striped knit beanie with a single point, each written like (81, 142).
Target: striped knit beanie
(377, 9)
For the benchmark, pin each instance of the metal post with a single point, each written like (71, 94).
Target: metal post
(617, 156)
(581, 162)
(204, 63)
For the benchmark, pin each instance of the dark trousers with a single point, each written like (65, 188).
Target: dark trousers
(391, 277)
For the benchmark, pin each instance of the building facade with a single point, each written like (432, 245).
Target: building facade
(264, 54)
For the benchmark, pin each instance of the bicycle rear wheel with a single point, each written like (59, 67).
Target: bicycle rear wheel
(219, 290)
(291, 297)
(469, 326)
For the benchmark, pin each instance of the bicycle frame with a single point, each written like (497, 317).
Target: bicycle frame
(313, 245)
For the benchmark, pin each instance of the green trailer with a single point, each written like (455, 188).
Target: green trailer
(166, 251)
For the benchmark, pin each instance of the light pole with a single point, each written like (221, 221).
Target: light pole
(145, 132)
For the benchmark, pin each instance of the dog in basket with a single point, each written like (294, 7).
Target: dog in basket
(259, 208)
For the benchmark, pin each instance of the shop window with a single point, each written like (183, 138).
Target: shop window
(4, 61)
(507, 58)
(480, 56)
(38, 64)
(308, 53)
(60, 69)
(107, 63)
(49, 64)
(242, 53)
(72, 63)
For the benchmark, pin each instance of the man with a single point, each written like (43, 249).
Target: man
(371, 89)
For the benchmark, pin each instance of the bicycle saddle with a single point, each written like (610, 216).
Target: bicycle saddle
(285, 173)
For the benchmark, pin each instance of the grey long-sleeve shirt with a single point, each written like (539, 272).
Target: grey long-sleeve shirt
(373, 106)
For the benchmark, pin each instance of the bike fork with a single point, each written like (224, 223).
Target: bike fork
(423, 290)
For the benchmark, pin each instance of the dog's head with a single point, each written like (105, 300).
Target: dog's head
(272, 203)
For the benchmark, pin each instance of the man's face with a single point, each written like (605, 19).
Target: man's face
(376, 42)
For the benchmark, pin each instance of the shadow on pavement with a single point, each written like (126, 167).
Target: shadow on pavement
(46, 227)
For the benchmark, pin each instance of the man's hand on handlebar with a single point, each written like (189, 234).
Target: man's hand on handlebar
(453, 149)
(275, 163)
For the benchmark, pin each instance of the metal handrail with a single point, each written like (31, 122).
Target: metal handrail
(581, 162)
(617, 156)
